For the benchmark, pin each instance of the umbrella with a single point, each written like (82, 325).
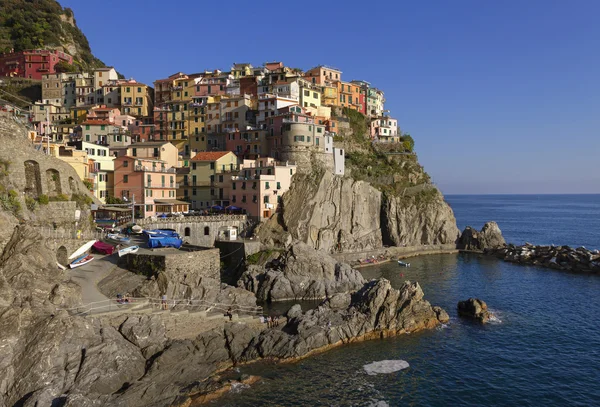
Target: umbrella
(233, 208)
(217, 208)
(164, 215)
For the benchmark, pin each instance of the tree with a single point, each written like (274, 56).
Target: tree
(114, 200)
(409, 143)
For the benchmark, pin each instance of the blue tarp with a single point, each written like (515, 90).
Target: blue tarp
(162, 232)
(164, 241)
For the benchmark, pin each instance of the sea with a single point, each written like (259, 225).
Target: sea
(542, 349)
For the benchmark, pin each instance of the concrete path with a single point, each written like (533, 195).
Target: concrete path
(88, 276)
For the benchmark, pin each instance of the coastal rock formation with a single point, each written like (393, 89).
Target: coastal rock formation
(413, 221)
(334, 214)
(180, 373)
(554, 257)
(301, 273)
(490, 237)
(474, 308)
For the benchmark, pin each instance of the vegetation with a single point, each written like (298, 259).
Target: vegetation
(31, 203)
(83, 200)
(114, 200)
(43, 200)
(359, 126)
(88, 184)
(261, 256)
(31, 24)
(408, 142)
(59, 198)
(10, 202)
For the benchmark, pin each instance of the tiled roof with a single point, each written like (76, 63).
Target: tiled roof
(210, 155)
(97, 122)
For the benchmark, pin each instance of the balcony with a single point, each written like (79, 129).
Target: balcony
(176, 87)
(172, 185)
(142, 168)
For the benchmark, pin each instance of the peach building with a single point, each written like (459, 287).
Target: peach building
(258, 187)
(151, 183)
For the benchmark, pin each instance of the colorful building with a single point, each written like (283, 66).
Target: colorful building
(259, 186)
(323, 75)
(150, 183)
(385, 129)
(32, 64)
(208, 176)
(135, 98)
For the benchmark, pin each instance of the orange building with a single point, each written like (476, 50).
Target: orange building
(350, 95)
(150, 183)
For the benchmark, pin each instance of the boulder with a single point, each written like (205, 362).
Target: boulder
(490, 237)
(302, 273)
(474, 308)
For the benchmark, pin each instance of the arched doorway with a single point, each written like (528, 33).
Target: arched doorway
(187, 232)
(53, 182)
(33, 179)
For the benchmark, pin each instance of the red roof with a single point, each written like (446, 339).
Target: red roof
(97, 122)
(210, 155)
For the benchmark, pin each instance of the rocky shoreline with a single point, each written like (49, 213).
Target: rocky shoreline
(565, 258)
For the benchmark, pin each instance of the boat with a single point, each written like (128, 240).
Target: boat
(136, 229)
(103, 248)
(115, 237)
(164, 241)
(60, 266)
(403, 264)
(85, 259)
(82, 249)
(127, 250)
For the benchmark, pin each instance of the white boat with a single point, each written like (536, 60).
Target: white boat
(117, 238)
(403, 264)
(127, 250)
(81, 261)
(77, 253)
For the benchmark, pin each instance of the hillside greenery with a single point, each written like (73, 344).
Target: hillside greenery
(31, 24)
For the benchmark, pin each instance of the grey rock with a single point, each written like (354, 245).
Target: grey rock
(304, 273)
(474, 308)
(294, 311)
(490, 237)
(146, 332)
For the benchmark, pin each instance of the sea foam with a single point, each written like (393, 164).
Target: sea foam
(385, 366)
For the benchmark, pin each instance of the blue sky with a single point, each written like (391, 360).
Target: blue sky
(500, 97)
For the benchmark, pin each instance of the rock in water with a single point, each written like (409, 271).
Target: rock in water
(474, 308)
(385, 366)
(490, 237)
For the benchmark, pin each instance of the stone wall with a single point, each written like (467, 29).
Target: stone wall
(204, 263)
(396, 252)
(198, 230)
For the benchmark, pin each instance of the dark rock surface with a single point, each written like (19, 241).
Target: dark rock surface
(474, 308)
(301, 273)
(490, 237)
(580, 260)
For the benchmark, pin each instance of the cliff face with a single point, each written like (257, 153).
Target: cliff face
(342, 214)
(26, 24)
(421, 219)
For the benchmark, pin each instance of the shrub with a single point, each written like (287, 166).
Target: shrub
(88, 184)
(10, 202)
(59, 198)
(31, 203)
(83, 201)
(43, 200)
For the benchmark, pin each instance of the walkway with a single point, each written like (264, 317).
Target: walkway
(88, 276)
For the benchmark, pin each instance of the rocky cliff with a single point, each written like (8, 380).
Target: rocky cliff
(300, 273)
(333, 213)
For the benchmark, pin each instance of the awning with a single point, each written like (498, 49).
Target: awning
(170, 202)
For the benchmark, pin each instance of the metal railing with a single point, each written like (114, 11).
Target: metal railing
(141, 304)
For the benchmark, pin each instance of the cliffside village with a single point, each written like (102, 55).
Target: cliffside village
(224, 140)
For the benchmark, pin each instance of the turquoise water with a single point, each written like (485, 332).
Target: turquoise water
(544, 351)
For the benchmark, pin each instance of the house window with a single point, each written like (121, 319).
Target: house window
(125, 179)
(212, 166)
(125, 163)
(279, 185)
(187, 232)
(206, 231)
(267, 186)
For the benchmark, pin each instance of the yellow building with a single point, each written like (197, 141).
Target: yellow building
(77, 159)
(330, 96)
(135, 99)
(206, 178)
(310, 94)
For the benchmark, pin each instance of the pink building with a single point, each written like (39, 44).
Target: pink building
(385, 129)
(251, 144)
(259, 186)
(151, 183)
(32, 63)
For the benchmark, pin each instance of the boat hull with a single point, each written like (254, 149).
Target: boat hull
(81, 261)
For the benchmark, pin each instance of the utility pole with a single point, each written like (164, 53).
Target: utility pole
(132, 208)
(46, 129)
